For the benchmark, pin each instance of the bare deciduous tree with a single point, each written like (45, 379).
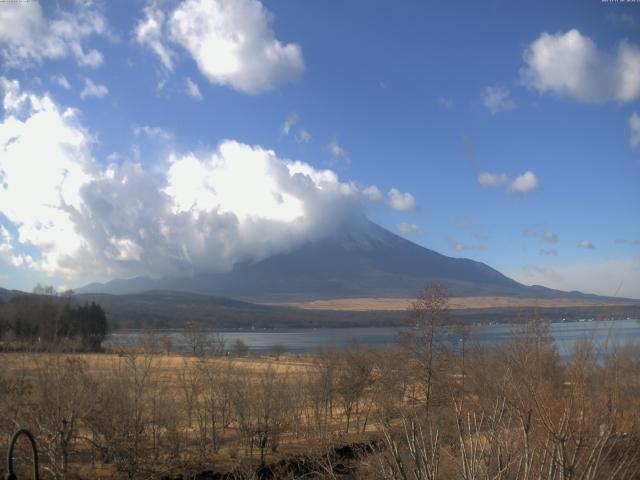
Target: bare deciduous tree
(427, 315)
(63, 394)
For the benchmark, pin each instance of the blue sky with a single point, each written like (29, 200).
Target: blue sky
(161, 132)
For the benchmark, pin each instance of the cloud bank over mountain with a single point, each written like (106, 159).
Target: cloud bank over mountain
(202, 212)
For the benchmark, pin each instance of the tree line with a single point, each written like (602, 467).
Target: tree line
(46, 318)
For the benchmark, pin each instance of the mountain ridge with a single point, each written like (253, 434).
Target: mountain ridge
(363, 261)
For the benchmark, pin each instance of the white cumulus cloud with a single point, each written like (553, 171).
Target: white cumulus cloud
(373, 193)
(233, 44)
(571, 64)
(231, 41)
(27, 36)
(45, 162)
(402, 202)
(5, 244)
(526, 183)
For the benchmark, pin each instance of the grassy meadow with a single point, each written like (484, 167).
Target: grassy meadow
(417, 410)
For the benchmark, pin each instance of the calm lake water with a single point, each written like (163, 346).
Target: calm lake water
(307, 340)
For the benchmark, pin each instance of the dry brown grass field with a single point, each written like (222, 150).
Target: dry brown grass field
(177, 394)
(454, 303)
(425, 410)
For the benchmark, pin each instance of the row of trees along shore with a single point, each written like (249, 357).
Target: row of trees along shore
(426, 410)
(45, 319)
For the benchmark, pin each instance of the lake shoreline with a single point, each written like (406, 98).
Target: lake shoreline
(304, 340)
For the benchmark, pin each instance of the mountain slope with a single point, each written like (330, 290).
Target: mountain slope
(170, 309)
(364, 261)
(6, 295)
(164, 309)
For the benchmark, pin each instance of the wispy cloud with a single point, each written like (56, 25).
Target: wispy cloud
(634, 126)
(408, 228)
(465, 222)
(151, 132)
(471, 227)
(445, 103)
(586, 244)
(150, 32)
(621, 19)
(92, 90)
(289, 122)
(339, 155)
(336, 149)
(624, 241)
(457, 246)
(62, 81)
(192, 89)
(550, 237)
(303, 136)
(497, 99)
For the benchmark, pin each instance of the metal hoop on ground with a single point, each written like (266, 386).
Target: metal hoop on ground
(34, 450)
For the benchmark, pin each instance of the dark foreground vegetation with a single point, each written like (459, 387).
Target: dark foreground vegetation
(417, 411)
(46, 320)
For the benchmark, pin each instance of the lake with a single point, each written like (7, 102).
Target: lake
(565, 334)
